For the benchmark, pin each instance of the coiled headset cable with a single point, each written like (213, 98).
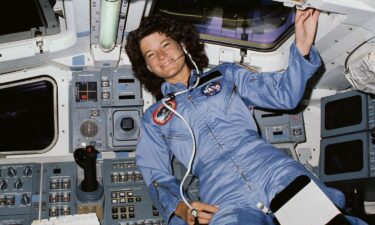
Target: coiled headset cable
(171, 96)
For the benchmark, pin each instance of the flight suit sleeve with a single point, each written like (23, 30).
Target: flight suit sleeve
(276, 90)
(154, 161)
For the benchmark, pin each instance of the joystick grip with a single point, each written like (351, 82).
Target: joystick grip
(86, 159)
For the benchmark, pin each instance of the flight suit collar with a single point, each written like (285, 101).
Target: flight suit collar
(169, 88)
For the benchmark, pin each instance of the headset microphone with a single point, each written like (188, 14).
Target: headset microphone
(179, 57)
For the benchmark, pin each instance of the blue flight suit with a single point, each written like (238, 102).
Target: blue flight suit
(236, 168)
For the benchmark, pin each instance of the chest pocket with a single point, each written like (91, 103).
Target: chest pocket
(229, 98)
(177, 138)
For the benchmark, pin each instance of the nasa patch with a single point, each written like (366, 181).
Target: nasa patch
(212, 88)
(162, 114)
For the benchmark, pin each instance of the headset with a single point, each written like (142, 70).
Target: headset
(171, 96)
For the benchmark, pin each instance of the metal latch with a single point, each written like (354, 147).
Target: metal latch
(39, 41)
(39, 44)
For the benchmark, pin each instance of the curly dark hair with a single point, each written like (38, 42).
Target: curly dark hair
(180, 32)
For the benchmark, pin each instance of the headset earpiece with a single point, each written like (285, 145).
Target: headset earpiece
(184, 49)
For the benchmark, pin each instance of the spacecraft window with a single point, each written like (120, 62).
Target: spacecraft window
(20, 20)
(28, 116)
(260, 24)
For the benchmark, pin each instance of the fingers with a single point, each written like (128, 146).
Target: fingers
(205, 211)
(200, 206)
(305, 29)
(302, 15)
(204, 218)
(316, 14)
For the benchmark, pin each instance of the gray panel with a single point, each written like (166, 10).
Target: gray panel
(124, 89)
(15, 220)
(127, 199)
(52, 189)
(280, 126)
(105, 109)
(367, 111)
(22, 199)
(16, 188)
(58, 190)
(125, 127)
(89, 128)
(367, 156)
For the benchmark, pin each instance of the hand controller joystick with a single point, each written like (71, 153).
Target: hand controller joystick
(86, 159)
(89, 190)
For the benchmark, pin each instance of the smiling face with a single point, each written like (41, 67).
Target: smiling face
(165, 58)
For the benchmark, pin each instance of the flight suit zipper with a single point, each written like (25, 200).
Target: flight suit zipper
(190, 98)
(248, 183)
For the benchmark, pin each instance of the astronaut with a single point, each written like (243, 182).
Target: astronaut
(237, 170)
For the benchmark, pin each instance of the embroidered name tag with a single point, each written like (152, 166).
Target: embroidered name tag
(162, 114)
(212, 88)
